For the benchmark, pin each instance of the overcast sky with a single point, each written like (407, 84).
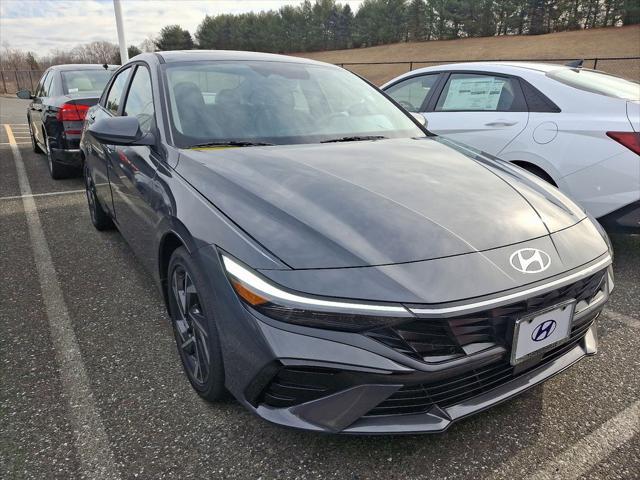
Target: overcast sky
(44, 25)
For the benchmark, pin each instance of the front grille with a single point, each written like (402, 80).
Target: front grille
(420, 398)
(443, 339)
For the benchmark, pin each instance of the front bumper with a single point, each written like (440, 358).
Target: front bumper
(336, 413)
(352, 383)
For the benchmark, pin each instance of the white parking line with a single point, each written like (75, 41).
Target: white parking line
(91, 441)
(592, 449)
(47, 194)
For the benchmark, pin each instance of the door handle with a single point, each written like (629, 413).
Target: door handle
(500, 123)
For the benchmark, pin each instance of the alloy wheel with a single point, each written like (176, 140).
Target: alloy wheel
(34, 145)
(91, 196)
(191, 326)
(49, 157)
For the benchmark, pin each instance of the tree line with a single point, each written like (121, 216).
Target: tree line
(95, 52)
(330, 25)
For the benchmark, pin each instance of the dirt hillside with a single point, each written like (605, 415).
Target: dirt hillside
(601, 42)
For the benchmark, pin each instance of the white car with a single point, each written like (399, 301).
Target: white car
(576, 128)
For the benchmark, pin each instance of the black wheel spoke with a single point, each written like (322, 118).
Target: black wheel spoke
(190, 324)
(198, 321)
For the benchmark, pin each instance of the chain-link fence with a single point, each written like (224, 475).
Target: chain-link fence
(13, 80)
(377, 72)
(381, 72)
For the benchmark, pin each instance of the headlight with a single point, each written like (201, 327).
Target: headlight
(279, 304)
(604, 234)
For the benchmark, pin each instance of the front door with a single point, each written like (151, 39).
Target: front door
(132, 172)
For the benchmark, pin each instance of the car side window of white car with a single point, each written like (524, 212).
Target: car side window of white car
(471, 92)
(412, 92)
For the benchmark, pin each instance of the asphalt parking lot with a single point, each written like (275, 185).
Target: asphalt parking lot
(92, 387)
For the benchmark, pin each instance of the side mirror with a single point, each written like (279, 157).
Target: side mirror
(120, 131)
(24, 94)
(420, 118)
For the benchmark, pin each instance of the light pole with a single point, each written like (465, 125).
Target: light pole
(124, 55)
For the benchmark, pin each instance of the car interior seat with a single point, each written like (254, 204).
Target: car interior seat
(195, 120)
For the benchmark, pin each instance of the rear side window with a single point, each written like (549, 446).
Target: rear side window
(139, 102)
(46, 87)
(116, 92)
(471, 92)
(412, 92)
(80, 81)
(597, 82)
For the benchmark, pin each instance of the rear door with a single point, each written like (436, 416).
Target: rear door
(483, 110)
(35, 108)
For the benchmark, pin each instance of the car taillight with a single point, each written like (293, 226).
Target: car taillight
(631, 140)
(72, 112)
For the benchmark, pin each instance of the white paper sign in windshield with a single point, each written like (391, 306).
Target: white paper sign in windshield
(480, 93)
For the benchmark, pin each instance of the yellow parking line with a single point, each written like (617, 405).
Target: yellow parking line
(12, 139)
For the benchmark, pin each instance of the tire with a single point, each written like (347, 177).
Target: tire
(56, 170)
(192, 307)
(537, 171)
(34, 144)
(100, 219)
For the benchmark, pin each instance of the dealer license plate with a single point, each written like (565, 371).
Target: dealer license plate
(538, 333)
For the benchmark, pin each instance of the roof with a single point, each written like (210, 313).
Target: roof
(213, 55)
(540, 66)
(81, 66)
(495, 66)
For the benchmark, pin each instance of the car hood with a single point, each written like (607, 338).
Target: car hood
(374, 203)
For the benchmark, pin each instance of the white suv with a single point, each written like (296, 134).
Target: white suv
(576, 128)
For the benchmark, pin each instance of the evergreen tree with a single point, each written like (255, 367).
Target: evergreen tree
(173, 37)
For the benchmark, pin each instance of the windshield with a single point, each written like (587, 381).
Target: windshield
(597, 82)
(81, 81)
(277, 103)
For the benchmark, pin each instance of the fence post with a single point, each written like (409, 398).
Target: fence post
(4, 84)
(410, 66)
(595, 63)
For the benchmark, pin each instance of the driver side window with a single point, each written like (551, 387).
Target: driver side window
(413, 92)
(116, 92)
(139, 101)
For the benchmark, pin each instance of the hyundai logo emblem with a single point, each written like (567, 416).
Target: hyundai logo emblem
(543, 331)
(530, 260)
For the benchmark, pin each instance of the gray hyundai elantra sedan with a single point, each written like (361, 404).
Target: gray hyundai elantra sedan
(328, 260)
